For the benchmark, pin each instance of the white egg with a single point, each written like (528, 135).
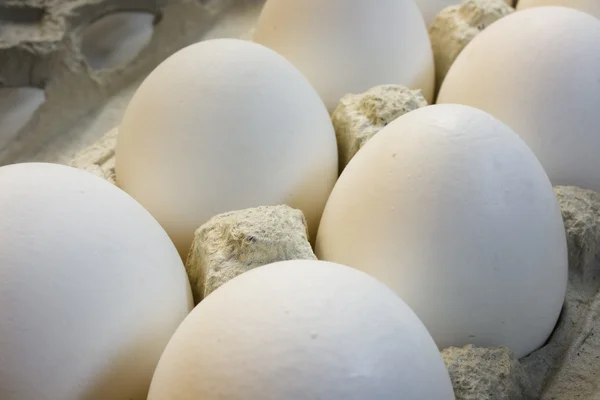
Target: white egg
(431, 8)
(450, 209)
(91, 287)
(225, 125)
(301, 330)
(590, 6)
(349, 46)
(538, 71)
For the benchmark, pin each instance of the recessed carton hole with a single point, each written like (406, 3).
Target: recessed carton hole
(22, 15)
(17, 107)
(116, 39)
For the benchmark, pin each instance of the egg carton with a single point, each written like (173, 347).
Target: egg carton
(564, 368)
(67, 66)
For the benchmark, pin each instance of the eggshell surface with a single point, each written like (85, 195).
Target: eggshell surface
(349, 46)
(224, 125)
(589, 6)
(301, 330)
(538, 71)
(450, 209)
(91, 287)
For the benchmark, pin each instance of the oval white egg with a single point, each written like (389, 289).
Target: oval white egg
(301, 330)
(589, 6)
(431, 8)
(450, 209)
(349, 46)
(224, 125)
(538, 71)
(91, 287)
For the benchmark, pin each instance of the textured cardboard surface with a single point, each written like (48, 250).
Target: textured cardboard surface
(83, 104)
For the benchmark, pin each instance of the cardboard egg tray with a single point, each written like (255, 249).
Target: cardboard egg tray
(79, 105)
(59, 96)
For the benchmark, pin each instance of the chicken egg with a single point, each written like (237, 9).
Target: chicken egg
(538, 71)
(91, 287)
(224, 125)
(448, 207)
(349, 46)
(301, 329)
(589, 6)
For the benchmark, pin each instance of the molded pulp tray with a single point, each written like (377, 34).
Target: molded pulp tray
(69, 67)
